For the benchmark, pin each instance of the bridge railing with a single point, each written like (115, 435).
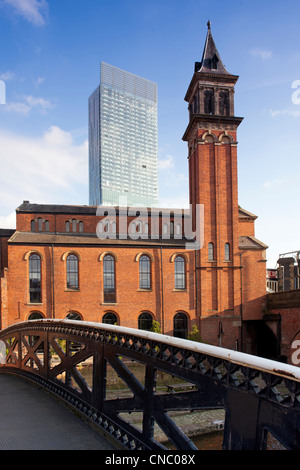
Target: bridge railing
(84, 363)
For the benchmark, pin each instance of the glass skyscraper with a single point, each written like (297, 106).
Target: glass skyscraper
(123, 140)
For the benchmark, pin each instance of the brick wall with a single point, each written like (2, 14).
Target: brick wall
(162, 301)
(286, 304)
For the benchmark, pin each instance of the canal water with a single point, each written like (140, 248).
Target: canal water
(213, 441)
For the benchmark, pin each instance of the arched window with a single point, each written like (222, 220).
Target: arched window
(179, 271)
(195, 104)
(32, 225)
(214, 62)
(210, 251)
(180, 325)
(145, 321)
(110, 318)
(72, 272)
(145, 272)
(35, 286)
(67, 226)
(109, 279)
(81, 227)
(46, 225)
(171, 229)
(209, 107)
(227, 252)
(73, 316)
(40, 224)
(74, 225)
(224, 103)
(35, 316)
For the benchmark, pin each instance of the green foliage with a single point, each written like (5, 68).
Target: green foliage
(155, 327)
(194, 335)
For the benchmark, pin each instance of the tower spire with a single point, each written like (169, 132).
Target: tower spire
(211, 59)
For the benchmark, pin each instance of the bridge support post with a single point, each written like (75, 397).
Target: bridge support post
(241, 430)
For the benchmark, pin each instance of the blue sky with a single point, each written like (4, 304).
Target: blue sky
(50, 62)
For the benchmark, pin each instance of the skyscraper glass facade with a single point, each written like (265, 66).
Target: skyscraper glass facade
(123, 140)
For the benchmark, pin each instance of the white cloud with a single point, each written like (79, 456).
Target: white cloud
(39, 81)
(262, 53)
(285, 112)
(19, 108)
(33, 11)
(48, 169)
(6, 76)
(167, 163)
(8, 221)
(29, 102)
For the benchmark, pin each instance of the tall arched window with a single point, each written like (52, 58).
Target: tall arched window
(227, 252)
(35, 285)
(109, 279)
(74, 225)
(179, 271)
(171, 229)
(110, 318)
(40, 224)
(180, 325)
(67, 226)
(224, 103)
(81, 227)
(210, 251)
(145, 321)
(209, 106)
(32, 225)
(145, 272)
(72, 272)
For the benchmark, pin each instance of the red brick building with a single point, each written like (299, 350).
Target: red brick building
(56, 265)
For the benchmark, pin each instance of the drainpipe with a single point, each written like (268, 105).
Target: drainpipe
(162, 294)
(242, 336)
(53, 297)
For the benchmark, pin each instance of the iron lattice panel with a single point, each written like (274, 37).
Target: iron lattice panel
(53, 354)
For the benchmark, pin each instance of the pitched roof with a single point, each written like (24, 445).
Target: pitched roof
(33, 208)
(243, 214)
(42, 238)
(211, 60)
(251, 243)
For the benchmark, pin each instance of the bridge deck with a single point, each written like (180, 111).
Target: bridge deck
(31, 419)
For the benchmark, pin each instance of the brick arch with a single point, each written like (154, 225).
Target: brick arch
(32, 312)
(32, 252)
(172, 259)
(207, 134)
(74, 312)
(143, 253)
(67, 253)
(101, 257)
(225, 138)
(109, 310)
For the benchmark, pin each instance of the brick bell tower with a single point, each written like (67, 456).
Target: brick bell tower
(212, 155)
